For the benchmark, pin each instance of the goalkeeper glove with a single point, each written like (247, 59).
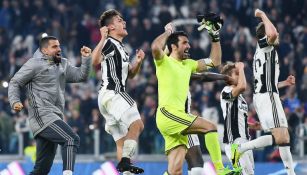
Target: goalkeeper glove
(212, 23)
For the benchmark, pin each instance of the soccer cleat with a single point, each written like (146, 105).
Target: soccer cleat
(126, 165)
(235, 155)
(227, 171)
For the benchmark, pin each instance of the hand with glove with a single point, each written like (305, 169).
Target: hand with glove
(212, 23)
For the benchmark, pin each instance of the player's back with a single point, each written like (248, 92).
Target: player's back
(265, 68)
(173, 81)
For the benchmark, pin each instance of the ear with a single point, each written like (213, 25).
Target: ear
(44, 51)
(174, 47)
(111, 27)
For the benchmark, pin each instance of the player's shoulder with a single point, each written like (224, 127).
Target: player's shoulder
(109, 42)
(227, 89)
(263, 50)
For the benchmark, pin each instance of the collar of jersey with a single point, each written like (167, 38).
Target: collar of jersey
(115, 40)
(177, 61)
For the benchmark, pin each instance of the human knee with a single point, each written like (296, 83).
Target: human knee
(74, 140)
(137, 125)
(281, 139)
(141, 126)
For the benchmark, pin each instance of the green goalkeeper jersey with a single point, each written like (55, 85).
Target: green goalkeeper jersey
(173, 81)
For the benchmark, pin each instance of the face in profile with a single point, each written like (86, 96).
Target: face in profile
(183, 47)
(118, 25)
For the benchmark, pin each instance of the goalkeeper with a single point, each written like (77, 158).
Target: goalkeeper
(174, 70)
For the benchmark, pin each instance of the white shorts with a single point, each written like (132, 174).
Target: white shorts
(270, 111)
(247, 159)
(119, 110)
(193, 140)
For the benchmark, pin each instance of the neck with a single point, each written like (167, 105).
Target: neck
(175, 56)
(117, 37)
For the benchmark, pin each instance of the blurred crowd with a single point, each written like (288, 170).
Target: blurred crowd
(75, 23)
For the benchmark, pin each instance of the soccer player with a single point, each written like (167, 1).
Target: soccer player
(194, 155)
(235, 110)
(45, 76)
(173, 74)
(266, 98)
(123, 120)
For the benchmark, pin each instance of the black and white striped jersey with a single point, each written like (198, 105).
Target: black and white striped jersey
(188, 103)
(115, 65)
(265, 68)
(235, 116)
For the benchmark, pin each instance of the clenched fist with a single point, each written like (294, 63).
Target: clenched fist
(258, 13)
(169, 28)
(17, 106)
(290, 80)
(85, 51)
(104, 32)
(140, 55)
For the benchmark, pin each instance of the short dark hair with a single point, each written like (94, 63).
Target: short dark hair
(43, 43)
(228, 68)
(173, 39)
(106, 17)
(260, 30)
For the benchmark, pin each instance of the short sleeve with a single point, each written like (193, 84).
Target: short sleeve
(160, 61)
(227, 94)
(192, 64)
(108, 48)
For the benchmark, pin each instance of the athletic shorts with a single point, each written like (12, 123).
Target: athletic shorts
(119, 111)
(247, 159)
(171, 123)
(193, 140)
(270, 111)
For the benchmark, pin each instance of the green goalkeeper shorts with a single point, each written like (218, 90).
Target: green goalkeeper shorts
(171, 124)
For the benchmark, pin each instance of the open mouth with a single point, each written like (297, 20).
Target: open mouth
(58, 54)
(186, 53)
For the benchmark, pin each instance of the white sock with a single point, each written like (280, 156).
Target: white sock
(197, 171)
(189, 172)
(127, 173)
(260, 142)
(67, 172)
(286, 158)
(129, 148)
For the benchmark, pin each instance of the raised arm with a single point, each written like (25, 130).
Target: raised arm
(270, 29)
(158, 44)
(213, 24)
(135, 67)
(96, 55)
(19, 80)
(210, 76)
(290, 81)
(241, 85)
(79, 74)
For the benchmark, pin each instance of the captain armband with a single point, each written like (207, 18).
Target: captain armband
(209, 63)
